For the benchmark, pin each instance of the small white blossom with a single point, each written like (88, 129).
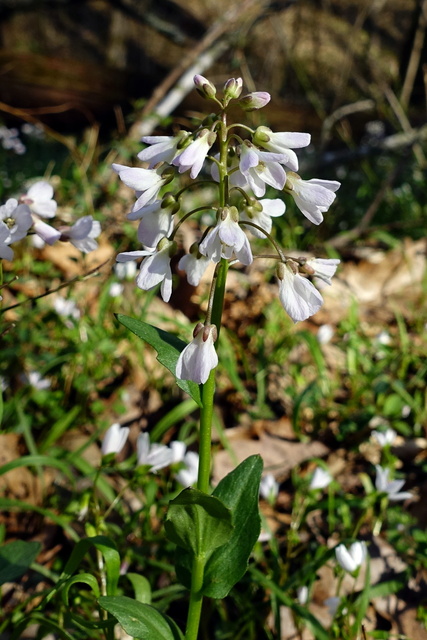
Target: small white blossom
(351, 559)
(178, 449)
(260, 168)
(332, 603)
(227, 238)
(195, 154)
(299, 296)
(322, 268)
(115, 289)
(126, 270)
(321, 479)
(146, 182)
(269, 487)
(312, 197)
(66, 308)
(384, 438)
(156, 456)
(283, 143)
(6, 253)
(260, 213)
(187, 476)
(36, 380)
(198, 358)
(17, 218)
(82, 234)
(302, 594)
(39, 198)
(114, 439)
(194, 264)
(390, 487)
(155, 223)
(161, 149)
(155, 268)
(325, 334)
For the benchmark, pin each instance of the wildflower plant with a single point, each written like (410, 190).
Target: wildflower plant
(214, 531)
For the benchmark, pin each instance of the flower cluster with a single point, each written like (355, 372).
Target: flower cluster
(243, 169)
(19, 218)
(154, 456)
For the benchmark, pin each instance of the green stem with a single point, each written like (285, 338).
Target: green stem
(196, 599)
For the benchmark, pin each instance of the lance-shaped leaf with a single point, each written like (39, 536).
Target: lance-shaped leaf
(141, 620)
(15, 559)
(198, 523)
(168, 348)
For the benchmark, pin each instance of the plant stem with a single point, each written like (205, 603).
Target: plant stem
(196, 599)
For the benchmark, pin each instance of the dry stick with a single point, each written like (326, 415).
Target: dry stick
(404, 122)
(340, 241)
(415, 57)
(225, 24)
(79, 278)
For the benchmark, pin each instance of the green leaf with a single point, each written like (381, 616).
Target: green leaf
(168, 348)
(141, 587)
(239, 491)
(198, 522)
(83, 578)
(141, 620)
(15, 558)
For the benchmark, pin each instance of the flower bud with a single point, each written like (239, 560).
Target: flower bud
(168, 175)
(170, 202)
(261, 136)
(255, 100)
(233, 88)
(204, 87)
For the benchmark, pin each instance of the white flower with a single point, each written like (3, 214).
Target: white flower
(321, 479)
(66, 308)
(187, 476)
(198, 358)
(115, 289)
(226, 238)
(146, 182)
(384, 438)
(302, 594)
(283, 143)
(156, 223)
(126, 270)
(194, 264)
(178, 449)
(17, 218)
(332, 603)
(260, 213)
(351, 559)
(156, 456)
(325, 334)
(155, 268)
(312, 197)
(298, 295)
(194, 155)
(36, 380)
(322, 268)
(40, 199)
(82, 234)
(269, 487)
(261, 168)
(6, 252)
(162, 149)
(114, 439)
(390, 487)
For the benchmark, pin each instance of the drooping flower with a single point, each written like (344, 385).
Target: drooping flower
(283, 143)
(6, 253)
(322, 268)
(260, 213)
(155, 222)
(195, 154)
(261, 168)
(114, 439)
(162, 148)
(156, 456)
(312, 197)
(187, 476)
(178, 449)
(299, 296)
(146, 182)
(45, 231)
(82, 234)
(390, 487)
(321, 479)
(199, 357)
(384, 438)
(39, 198)
(155, 268)
(194, 264)
(351, 559)
(269, 487)
(227, 238)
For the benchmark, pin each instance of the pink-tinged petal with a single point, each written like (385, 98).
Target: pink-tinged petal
(248, 159)
(81, 228)
(46, 232)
